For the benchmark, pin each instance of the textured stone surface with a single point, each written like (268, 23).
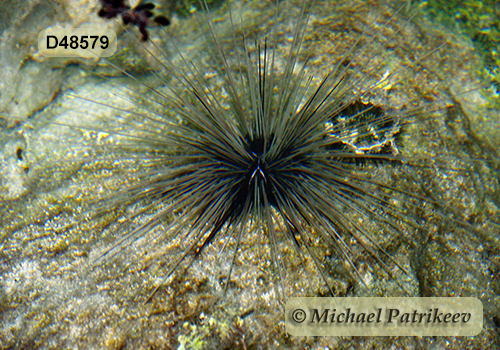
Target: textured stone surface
(53, 294)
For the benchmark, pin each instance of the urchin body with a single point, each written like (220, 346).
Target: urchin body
(280, 154)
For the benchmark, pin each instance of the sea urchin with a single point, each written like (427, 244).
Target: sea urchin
(277, 147)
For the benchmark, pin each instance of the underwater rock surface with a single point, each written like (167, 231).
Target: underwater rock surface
(51, 297)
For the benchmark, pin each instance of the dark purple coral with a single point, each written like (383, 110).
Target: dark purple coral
(139, 16)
